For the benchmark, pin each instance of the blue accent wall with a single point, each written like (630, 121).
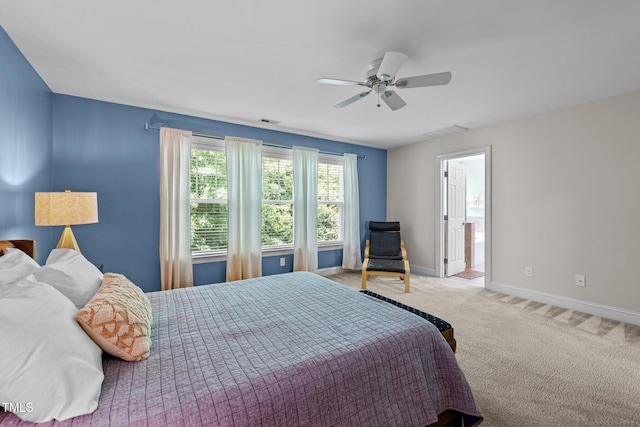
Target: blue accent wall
(25, 146)
(103, 147)
(51, 142)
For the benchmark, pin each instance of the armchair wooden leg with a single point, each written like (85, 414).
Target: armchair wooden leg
(365, 275)
(407, 276)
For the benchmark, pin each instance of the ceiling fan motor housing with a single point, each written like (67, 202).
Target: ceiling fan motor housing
(373, 81)
(374, 66)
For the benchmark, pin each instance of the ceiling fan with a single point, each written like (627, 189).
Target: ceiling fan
(382, 75)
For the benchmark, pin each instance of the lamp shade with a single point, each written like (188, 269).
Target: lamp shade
(66, 208)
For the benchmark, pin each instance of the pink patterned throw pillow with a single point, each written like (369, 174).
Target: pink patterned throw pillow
(118, 318)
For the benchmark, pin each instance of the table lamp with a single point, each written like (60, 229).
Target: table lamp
(66, 208)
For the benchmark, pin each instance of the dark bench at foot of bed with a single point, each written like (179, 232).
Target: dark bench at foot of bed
(445, 328)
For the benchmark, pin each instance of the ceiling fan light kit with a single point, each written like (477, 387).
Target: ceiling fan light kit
(381, 75)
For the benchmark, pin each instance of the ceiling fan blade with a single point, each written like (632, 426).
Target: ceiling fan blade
(423, 81)
(352, 99)
(340, 82)
(390, 65)
(393, 100)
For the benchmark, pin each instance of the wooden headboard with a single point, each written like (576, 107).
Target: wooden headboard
(26, 246)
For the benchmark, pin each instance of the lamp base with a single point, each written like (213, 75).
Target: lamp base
(68, 240)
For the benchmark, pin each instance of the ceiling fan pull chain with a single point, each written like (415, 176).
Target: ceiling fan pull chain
(378, 99)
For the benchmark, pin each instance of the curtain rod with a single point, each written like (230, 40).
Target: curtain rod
(147, 126)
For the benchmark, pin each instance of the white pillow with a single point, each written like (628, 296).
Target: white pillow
(50, 368)
(70, 273)
(16, 264)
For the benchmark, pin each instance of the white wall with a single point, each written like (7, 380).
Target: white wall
(566, 200)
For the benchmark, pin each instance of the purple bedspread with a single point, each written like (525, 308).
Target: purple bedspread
(286, 350)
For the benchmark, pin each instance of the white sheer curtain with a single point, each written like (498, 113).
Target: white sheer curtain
(175, 221)
(244, 205)
(305, 209)
(351, 257)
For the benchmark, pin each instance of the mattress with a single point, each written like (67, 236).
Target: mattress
(284, 350)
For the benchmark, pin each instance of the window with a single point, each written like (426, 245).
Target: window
(330, 199)
(209, 197)
(277, 201)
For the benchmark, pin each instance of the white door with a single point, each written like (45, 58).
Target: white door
(456, 217)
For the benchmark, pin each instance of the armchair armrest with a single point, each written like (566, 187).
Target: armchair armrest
(404, 251)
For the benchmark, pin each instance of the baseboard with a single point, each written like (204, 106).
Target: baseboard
(615, 313)
(423, 271)
(329, 271)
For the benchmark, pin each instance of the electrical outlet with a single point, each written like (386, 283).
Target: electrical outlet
(282, 261)
(581, 280)
(528, 271)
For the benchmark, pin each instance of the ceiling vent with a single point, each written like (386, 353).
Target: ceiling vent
(272, 122)
(444, 131)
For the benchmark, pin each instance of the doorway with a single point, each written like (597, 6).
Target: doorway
(463, 206)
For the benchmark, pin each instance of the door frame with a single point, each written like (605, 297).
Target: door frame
(439, 223)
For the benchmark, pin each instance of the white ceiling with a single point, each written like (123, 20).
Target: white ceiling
(240, 61)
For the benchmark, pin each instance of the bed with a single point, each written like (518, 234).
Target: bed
(283, 350)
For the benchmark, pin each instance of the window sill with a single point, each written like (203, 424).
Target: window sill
(267, 251)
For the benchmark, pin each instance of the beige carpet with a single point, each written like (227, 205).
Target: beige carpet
(530, 364)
